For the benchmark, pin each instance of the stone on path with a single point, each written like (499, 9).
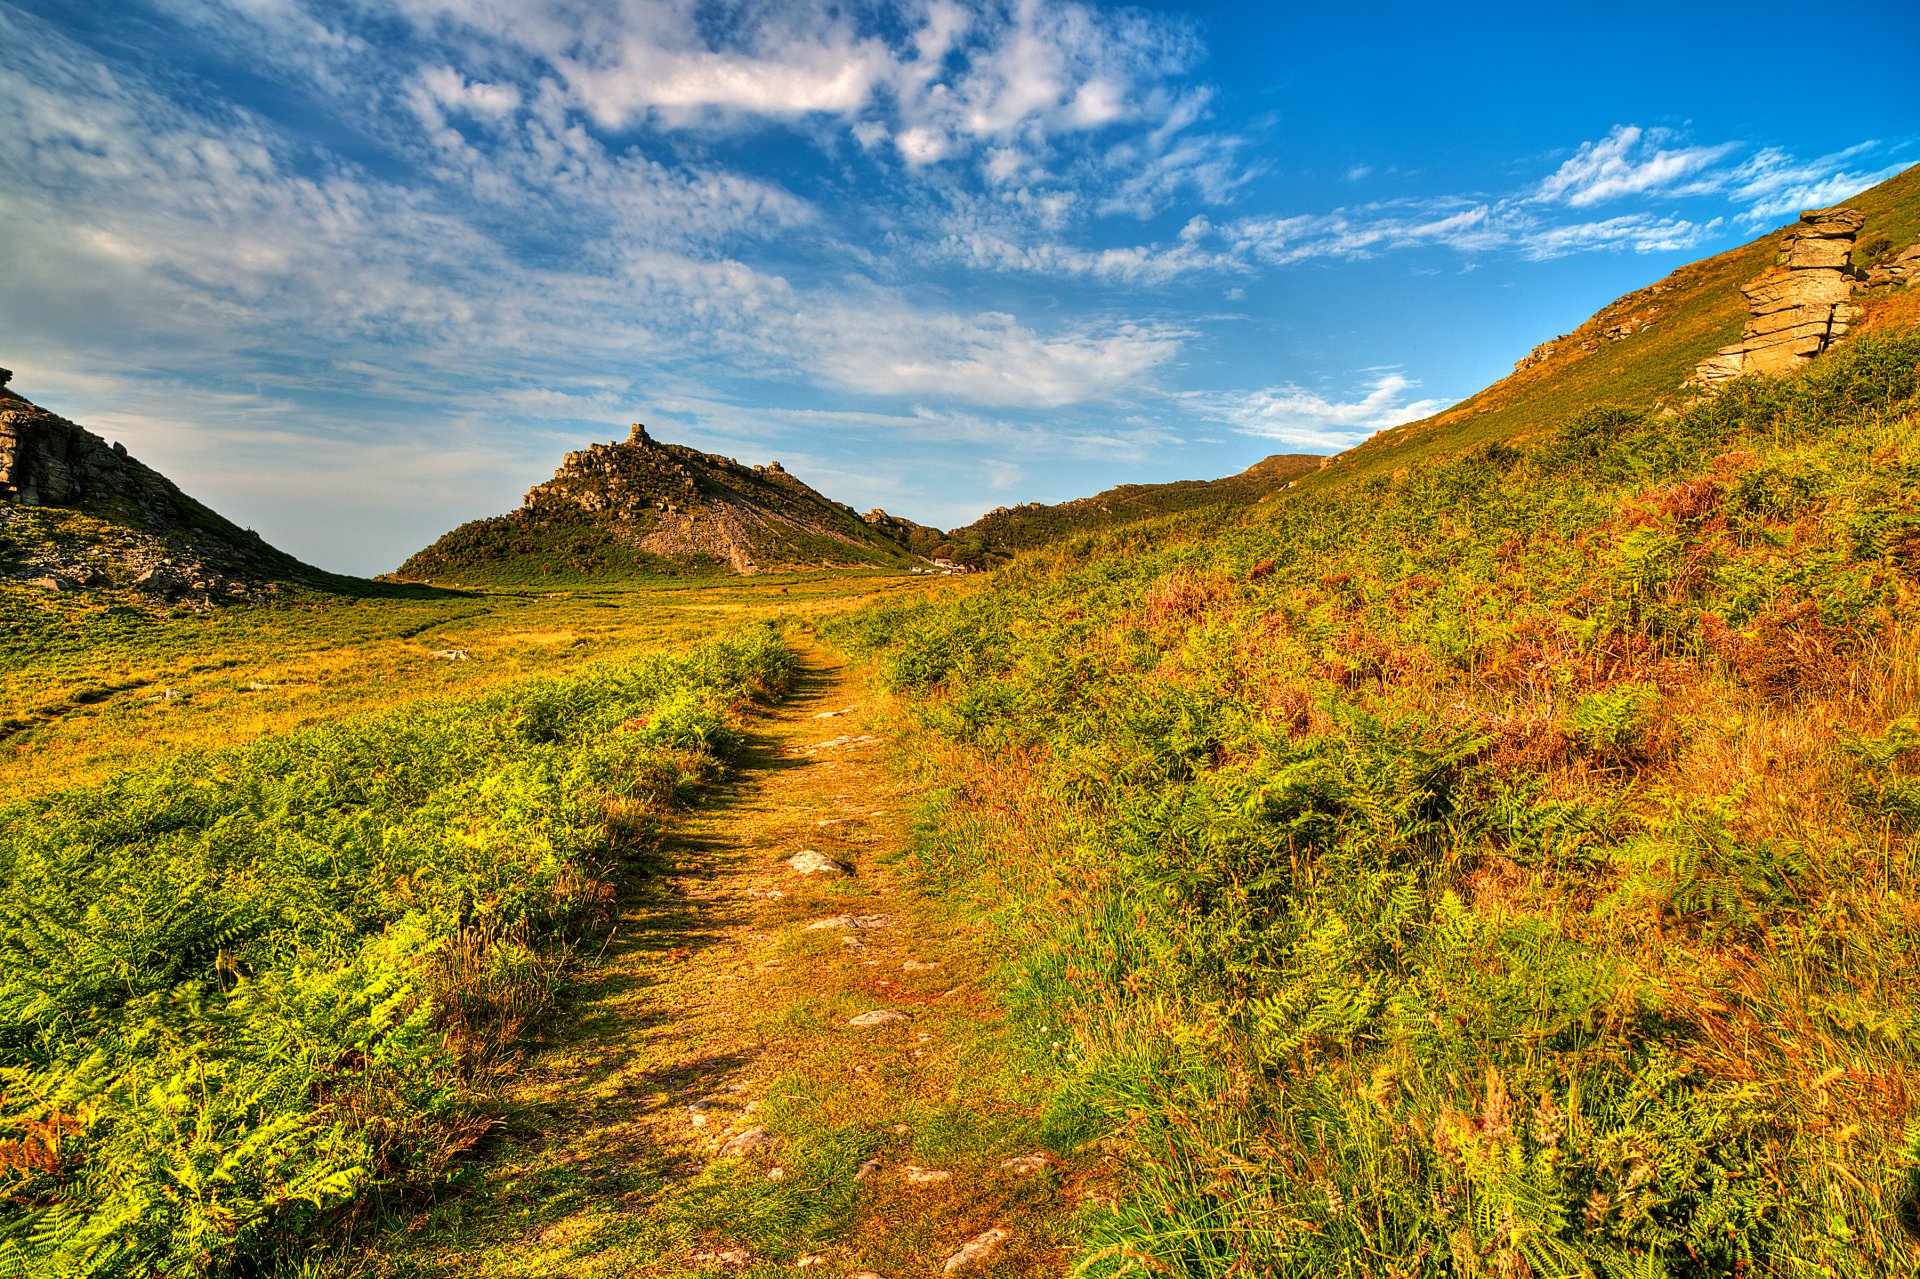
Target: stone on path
(976, 1248)
(833, 714)
(918, 1176)
(851, 739)
(808, 862)
(852, 921)
(746, 1143)
(878, 1017)
(732, 1258)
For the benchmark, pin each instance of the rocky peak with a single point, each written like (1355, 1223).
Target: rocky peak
(46, 460)
(1798, 307)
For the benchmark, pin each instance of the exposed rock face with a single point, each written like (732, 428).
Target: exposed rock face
(1902, 268)
(48, 461)
(1797, 308)
(666, 501)
(146, 534)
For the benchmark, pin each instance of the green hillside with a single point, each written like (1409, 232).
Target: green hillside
(1031, 525)
(1675, 323)
(1503, 866)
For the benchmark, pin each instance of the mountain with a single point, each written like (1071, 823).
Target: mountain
(77, 512)
(1644, 348)
(641, 506)
(1009, 529)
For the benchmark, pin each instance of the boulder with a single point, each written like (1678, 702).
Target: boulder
(808, 862)
(1797, 308)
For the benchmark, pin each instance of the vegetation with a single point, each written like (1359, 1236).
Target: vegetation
(249, 988)
(96, 681)
(995, 536)
(1503, 865)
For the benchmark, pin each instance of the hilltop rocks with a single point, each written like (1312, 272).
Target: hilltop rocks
(146, 534)
(1797, 308)
(641, 504)
(1902, 268)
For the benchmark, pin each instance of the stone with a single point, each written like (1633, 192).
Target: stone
(1796, 309)
(749, 1142)
(920, 965)
(1027, 1165)
(878, 1017)
(1902, 268)
(867, 1170)
(1806, 253)
(50, 583)
(452, 655)
(776, 1173)
(811, 1260)
(918, 1176)
(865, 1274)
(851, 921)
(976, 1248)
(808, 862)
(731, 1258)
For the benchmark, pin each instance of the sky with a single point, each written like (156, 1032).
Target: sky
(355, 271)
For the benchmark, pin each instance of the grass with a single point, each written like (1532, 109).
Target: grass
(1500, 866)
(248, 988)
(84, 677)
(713, 993)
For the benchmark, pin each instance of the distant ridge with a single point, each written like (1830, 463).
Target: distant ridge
(78, 513)
(641, 506)
(1009, 530)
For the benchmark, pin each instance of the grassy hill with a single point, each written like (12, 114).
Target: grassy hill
(1637, 350)
(1493, 855)
(1500, 865)
(640, 507)
(1031, 525)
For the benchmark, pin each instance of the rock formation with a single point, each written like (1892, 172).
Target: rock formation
(139, 530)
(641, 505)
(1902, 268)
(1797, 308)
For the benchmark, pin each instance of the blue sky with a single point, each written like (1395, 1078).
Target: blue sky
(353, 271)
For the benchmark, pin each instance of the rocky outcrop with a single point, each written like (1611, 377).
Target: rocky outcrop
(48, 461)
(1797, 308)
(1902, 268)
(642, 505)
(140, 532)
(921, 539)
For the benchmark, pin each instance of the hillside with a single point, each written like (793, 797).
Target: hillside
(641, 507)
(78, 513)
(1641, 348)
(1031, 524)
(1502, 866)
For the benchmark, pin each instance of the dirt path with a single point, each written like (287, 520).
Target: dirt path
(708, 1104)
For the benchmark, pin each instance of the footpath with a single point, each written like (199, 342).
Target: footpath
(785, 1060)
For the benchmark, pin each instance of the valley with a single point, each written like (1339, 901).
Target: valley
(1487, 850)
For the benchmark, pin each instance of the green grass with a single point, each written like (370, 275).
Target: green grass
(1501, 866)
(246, 989)
(84, 676)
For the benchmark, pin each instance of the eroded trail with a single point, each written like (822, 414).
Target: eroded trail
(770, 1066)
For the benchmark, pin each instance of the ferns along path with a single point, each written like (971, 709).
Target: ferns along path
(708, 1103)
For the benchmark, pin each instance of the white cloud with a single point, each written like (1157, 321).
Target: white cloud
(1310, 420)
(1629, 161)
(1774, 183)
